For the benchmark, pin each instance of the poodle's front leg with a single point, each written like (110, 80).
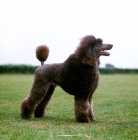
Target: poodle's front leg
(81, 110)
(40, 109)
(91, 113)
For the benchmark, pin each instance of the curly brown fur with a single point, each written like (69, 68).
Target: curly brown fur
(78, 75)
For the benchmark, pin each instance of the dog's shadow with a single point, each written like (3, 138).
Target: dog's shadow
(70, 120)
(57, 120)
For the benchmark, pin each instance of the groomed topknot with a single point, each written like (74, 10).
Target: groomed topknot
(42, 53)
(99, 40)
(89, 39)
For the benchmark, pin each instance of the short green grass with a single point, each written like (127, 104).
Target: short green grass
(115, 107)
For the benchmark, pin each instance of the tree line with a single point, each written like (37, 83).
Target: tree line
(28, 69)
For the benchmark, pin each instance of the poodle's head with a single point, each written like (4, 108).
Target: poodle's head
(90, 49)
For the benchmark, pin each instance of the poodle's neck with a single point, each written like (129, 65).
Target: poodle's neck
(97, 62)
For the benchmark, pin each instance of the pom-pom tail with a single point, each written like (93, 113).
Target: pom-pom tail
(42, 53)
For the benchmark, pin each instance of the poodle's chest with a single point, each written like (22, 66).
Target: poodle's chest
(82, 82)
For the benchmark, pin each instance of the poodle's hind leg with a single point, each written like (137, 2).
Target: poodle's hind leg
(91, 113)
(37, 93)
(40, 109)
(30, 103)
(81, 110)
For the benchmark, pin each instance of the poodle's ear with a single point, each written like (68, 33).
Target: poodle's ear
(88, 59)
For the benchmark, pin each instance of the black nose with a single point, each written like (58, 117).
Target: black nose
(111, 45)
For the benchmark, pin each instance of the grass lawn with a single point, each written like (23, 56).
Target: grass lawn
(115, 107)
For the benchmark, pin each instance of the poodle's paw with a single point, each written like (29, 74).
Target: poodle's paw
(24, 116)
(92, 118)
(83, 119)
(26, 113)
(39, 114)
(26, 110)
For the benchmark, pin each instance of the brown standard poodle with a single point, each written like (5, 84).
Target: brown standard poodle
(78, 75)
